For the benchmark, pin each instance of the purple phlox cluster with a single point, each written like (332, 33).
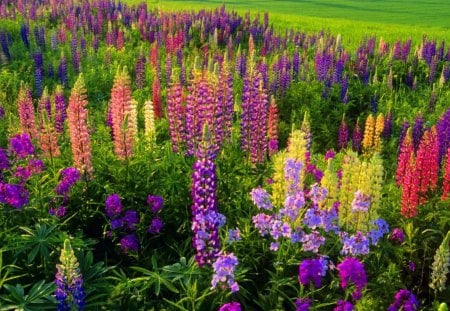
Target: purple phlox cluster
(234, 235)
(14, 195)
(321, 218)
(292, 172)
(317, 194)
(129, 243)
(130, 220)
(351, 270)
(292, 205)
(155, 225)
(361, 202)
(280, 229)
(155, 203)
(263, 223)
(231, 306)
(397, 236)
(312, 270)
(70, 176)
(58, 212)
(23, 173)
(343, 305)
(113, 205)
(274, 246)
(381, 228)
(4, 163)
(404, 300)
(357, 244)
(312, 241)
(261, 198)
(303, 304)
(36, 166)
(224, 268)
(21, 145)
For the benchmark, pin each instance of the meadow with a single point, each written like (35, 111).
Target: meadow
(181, 155)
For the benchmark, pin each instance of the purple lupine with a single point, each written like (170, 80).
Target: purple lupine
(2, 112)
(387, 128)
(418, 131)
(432, 69)
(21, 145)
(69, 281)
(351, 270)
(403, 131)
(113, 205)
(226, 99)
(443, 131)
(4, 162)
(24, 33)
(140, 72)
(311, 270)
(62, 71)
(60, 109)
(38, 73)
(296, 64)
(404, 300)
(206, 220)
(343, 134)
(224, 267)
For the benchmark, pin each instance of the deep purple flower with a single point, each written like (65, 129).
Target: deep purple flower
(129, 243)
(330, 154)
(310, 270)
(155, 226)
(411, 266)
(303, 304)
(21, 145)
(351, 270)
(404, 300)
(397, 235)
(116, 223)
(113, 205)
(36, 166)
(58, 212)
(4, 163)
(155, 203)
(2, 112)
(23, 173)
(343, 305)
(14, 195)
(130, 219)
(231, 306)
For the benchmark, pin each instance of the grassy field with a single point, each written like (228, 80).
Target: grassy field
(390, 19)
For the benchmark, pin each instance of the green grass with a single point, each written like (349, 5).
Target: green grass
(390, 19)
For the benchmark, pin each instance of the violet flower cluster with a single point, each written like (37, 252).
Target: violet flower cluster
(404, 300)
(224, 268)
(352, 271)
(69, 177)
(124, 223)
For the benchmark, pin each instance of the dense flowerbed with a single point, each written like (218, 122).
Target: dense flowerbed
(157, 160)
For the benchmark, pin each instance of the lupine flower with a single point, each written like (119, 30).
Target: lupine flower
(387, 128)
(352, 271)
(377, 233)
(113, 205)
(379, 126)
(231, 306)
(446, 177)
(397, 236)
(60, 109)
(443, 131)
(21, 145)
(405, 154)
(62, 71)
(369, 133)
(441, 265)
(310, 270)
(79, 135)
(343, 305)
(418, 131)
(26, 112)
(427, 165)
(156, 97)
(357, 137)
(404, 300)
(121, 115)
(343, 134)
(224, 267)
(140, 72)
(272, 132)
(69, 281)
(129, 243)
(176, 116)
(410, 190)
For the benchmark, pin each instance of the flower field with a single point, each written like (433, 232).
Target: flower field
(153, 159)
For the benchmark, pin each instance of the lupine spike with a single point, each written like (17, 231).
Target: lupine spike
(446, 177)
(343, 134)
(60, 109)
(410, 190)
(406, 150)
(121, 115)
(272, 132)
(369, 132)
(156, 97)
(379, 127)
(26, 112)
(149, 121)
(306, 130)
(427, 165)
(441, 265)
(77, 115)
(357, 137)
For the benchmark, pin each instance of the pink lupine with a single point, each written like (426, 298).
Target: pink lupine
(406, 150)
(427, 165)
(156, 97)
(77, 115)
(26, 112)
(272, 131)
(120, 106)
(176, 115)
(446, 178)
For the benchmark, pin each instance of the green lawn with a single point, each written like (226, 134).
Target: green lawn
(391, 19)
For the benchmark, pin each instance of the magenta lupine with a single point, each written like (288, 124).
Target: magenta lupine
(140, 72)
(357, 137)
(60, 109)
(418, 130)
(226, 99)
(176, 116)
(343, 134)
(443, 131)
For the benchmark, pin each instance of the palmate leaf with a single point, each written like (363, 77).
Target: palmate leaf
(39, 297)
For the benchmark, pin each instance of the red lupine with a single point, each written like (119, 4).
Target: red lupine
(121, 113)
(427, 165)
(446, 179)
(272, 131)
(410, 190)
(404, 156)
(77, 115)
(156, 97)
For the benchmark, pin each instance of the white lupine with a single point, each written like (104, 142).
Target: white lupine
(149, 120)
(440, 267)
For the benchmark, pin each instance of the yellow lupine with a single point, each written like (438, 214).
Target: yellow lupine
(330, 182)
(149, 121)
(379, 126)
(134, 119)
(349, 185)
(376, 182)
(369, 132)
(279, 184)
